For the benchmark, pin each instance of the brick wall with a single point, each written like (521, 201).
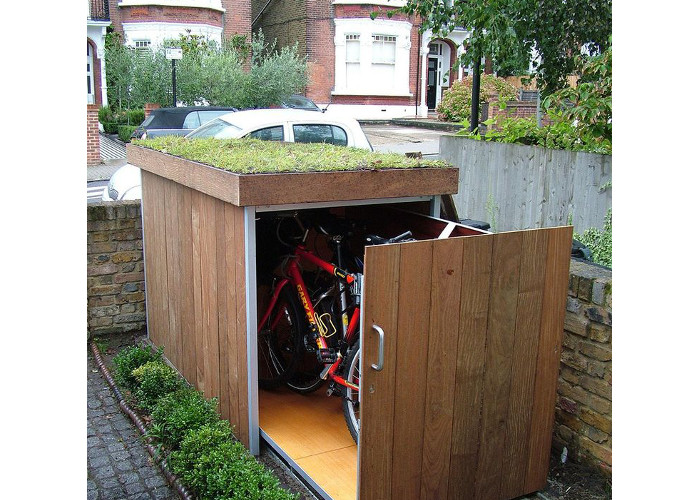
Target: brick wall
(583, 413)
(583, 421)
(517, 109)
(115, 278)
(93, 135)
(236, 18)
(148, 108)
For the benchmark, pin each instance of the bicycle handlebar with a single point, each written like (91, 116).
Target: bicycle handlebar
(373, 239)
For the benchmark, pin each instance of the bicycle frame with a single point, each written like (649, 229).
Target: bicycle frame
(293, 271)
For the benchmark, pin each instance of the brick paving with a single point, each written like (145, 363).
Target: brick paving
(118, 464)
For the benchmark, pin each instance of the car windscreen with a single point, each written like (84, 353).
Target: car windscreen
(217, 128)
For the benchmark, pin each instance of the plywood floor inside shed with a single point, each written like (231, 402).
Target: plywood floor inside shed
(311, 430)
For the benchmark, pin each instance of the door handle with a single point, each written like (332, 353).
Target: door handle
(380, 363)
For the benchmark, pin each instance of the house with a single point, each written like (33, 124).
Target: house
(146, 23)
(370, 69)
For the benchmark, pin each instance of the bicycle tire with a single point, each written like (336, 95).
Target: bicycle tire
(280, 342)
(351, 397)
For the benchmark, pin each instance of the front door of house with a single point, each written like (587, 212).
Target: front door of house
(90, 77)
(471, 327)
(432, 82)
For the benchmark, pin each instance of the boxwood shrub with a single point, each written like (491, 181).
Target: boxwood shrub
(130, 358)
(181, 411)
(154, 380)
(124, 132)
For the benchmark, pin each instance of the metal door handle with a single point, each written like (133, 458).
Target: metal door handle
(380, 363)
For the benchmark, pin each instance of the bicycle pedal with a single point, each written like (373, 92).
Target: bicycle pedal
(326, 356)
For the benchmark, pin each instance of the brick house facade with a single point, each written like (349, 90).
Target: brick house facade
(382, 68)
(146, 23)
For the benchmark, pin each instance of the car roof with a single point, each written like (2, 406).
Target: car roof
(252, 118)
(175, 117)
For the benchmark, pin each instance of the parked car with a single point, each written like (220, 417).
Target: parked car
(297, 101)
(177, 121)
(288, 125)
(284, 125)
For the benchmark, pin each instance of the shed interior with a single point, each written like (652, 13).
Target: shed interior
(309, 431)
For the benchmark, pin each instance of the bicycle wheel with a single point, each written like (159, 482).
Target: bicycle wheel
(351, 397)
(280, 343)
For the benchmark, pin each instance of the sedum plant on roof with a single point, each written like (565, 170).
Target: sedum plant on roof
(253, 156)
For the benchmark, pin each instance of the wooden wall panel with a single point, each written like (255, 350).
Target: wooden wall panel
(196, 296)
(499, 358)
(471, 355)
(528, 314)
(556, 275)
(445, 296)
(187, 332)
(411, 364)
(381, 308)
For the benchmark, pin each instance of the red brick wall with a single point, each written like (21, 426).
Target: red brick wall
(148, 107)
(518, 109)
(167, 14)
(93, 135)
(320, 49)
(237, 18)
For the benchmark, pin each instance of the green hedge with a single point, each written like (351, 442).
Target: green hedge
(198, 445)
(112, 119)
(125, 131)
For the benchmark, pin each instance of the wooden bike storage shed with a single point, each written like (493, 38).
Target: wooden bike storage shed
(464, 405)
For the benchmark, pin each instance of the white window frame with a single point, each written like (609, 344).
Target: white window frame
(142, 44)
(397, 33)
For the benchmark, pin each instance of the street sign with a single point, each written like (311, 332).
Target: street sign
(173, 53)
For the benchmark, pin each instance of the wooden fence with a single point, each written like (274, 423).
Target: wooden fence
(513, 187)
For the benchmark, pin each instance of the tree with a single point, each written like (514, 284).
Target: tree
(504, 30)
(207, 73)
(490, 23)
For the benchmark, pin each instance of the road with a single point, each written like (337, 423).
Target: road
(385, 138)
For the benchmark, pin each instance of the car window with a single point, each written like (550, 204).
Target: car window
(268, 134)
(217, 129)
(191, 120)
(330, 134)
(205, 116)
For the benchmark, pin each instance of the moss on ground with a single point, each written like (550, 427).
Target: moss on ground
(247, 156)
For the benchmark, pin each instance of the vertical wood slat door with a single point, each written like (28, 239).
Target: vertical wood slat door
(464, 406)
(195, 289)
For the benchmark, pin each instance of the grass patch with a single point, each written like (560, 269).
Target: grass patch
(248, 156)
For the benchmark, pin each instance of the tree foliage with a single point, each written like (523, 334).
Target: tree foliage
(506, 30)
(457, 100)
(206, 74)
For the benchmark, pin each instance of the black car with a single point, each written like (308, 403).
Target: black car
(177, 121)
(297, 101)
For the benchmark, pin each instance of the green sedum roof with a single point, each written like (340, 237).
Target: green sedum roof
(253, 156)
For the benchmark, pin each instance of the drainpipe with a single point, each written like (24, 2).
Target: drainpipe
(418, 70)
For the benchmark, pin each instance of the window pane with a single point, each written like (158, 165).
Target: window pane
(216, 128)
(191, 120)
(268, 134)
(329, 134)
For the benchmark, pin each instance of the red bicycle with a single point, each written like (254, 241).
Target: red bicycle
(308, 330)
